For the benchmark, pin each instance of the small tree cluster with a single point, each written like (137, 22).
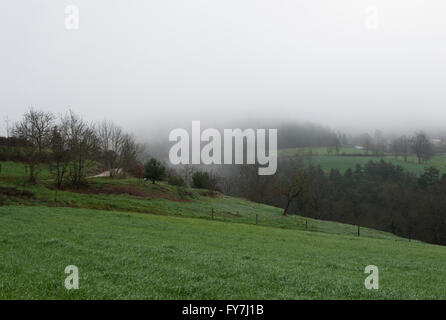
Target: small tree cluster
(175, 180)
(72, 146)
(35, 129)
(117, 150)
(204, 180)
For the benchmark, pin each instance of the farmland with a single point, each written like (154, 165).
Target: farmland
(124, 255)
(132, 240)
(350, 157)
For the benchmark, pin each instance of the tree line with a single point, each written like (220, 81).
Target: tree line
(70, 146)
(403, 146)
(378, 195)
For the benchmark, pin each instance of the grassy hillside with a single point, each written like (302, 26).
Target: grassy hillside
(144, 241)
(126, 255)
(161, 199)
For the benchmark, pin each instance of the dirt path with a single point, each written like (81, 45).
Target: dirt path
(105, 174)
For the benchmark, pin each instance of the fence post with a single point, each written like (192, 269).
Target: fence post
(257, 218)
(358, 231)
(212, 213)
(306, 224)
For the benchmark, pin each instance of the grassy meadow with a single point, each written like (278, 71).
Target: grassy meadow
(131, 195)
(124, 255)
(135, 240)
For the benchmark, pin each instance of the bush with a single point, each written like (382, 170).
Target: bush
(175, 180)
(204, 180)
(138, 171)
(154, 170)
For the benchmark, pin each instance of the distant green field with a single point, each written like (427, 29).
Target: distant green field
(342, 163)
(136, 256)
(319, 151)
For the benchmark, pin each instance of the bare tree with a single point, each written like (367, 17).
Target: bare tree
(187, 171)
(366, 141)
(422, 147)
(404, 147)
(297, 185)
(129, 153)
(60, 155)
(82, 143)
(118, 150)
(35, 129)
(401, 147)
(7, 127)
(380, 144)
(111, 140)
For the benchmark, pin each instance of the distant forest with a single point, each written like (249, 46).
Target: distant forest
(379, 195)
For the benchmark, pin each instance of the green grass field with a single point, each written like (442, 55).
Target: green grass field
(141, 241)
(134, 256)
(342, 163)
(319, 151)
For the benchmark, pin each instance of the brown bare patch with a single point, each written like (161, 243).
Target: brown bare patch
(209, 193)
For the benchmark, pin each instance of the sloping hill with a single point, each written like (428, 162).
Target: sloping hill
(126, 255)
(143, 241)
(132, 195)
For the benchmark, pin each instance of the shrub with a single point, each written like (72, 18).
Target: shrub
(138, 171)
(154, 170)
(175, 180)
(204, 180)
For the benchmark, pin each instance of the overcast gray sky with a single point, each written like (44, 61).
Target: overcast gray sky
(146, 63)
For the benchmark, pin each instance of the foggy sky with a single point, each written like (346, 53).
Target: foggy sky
(154, 63)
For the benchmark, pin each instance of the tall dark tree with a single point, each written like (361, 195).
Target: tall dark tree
(299, 185)
(154, 170)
